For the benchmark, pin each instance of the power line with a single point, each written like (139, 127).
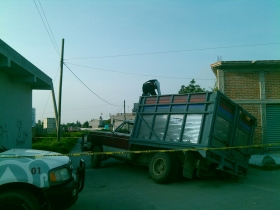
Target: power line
(46, 27)
(70, 110)
(119, 110)
(89, 88)
(49, 26)
(173, 51)
(133, 73)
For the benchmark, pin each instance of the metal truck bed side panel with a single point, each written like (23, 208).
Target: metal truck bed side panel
(196, 120)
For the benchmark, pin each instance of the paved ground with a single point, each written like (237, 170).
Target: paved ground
(119, 186)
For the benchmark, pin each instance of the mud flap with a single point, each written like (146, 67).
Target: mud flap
(189, 165)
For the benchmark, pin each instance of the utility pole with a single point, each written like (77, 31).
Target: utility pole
(60, 91)
(124, 110)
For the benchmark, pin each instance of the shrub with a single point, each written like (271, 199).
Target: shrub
(64, 146)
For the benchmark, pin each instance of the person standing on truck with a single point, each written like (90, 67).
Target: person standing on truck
(149, 87)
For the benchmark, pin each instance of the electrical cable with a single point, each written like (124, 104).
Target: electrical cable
(46, 27)
(88, 87)
(70, 110)
(133, 73)
(173, 51)
(119, 110)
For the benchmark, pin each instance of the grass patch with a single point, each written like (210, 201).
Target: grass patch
(65, 134)
(64, 146)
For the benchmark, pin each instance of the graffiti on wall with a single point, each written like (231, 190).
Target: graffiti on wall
(3, 133)
(21, 135)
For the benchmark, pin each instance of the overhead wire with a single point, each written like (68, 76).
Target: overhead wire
(56, 46)
(133, 73)
(46, 27)
(51, 36)
(119, 110)
(70, 110)
(89, 88)
(172, 51)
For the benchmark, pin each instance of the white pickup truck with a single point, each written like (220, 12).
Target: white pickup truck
(36, 179)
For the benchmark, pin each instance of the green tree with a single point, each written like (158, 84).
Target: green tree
(78, 124)
(85, 125)
(108, 122)
(191, 88)
(40, 123)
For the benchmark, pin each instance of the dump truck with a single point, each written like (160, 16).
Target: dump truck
(197, 134)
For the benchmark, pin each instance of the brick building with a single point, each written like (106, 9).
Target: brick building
(255, 85)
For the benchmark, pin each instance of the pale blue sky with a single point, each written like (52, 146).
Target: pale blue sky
(104, 30)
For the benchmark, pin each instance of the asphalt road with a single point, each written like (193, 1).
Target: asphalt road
(117, 185)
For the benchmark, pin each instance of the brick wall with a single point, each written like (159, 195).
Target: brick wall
(255, 111)
(272, 84)
(242, 85)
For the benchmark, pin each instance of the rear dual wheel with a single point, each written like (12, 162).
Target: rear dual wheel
(163, 168)
(96, 159)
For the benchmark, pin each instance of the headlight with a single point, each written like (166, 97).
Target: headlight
(59, 175)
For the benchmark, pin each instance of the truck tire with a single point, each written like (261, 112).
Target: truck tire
(96, 159)
(19, 200)
(161, 167)
(82, 143)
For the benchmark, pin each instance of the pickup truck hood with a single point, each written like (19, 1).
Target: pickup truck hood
(29, 166)
(53, 159)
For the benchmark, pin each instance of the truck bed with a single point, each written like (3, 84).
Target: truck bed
(197, 120)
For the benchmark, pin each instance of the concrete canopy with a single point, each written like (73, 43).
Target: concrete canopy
(21, 70)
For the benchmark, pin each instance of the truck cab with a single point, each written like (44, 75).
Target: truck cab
(109, 141)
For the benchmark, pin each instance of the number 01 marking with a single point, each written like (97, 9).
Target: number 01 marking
(36, 170)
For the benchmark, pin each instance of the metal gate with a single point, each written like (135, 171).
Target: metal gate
(273, 125)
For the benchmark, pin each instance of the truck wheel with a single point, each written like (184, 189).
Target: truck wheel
(161, 167)
(19, 200)
(96, 159)
(82, 143)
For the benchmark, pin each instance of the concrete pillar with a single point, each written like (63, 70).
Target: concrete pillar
(263, 107)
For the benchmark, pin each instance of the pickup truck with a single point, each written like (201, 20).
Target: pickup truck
(37, 180)
(209, 133)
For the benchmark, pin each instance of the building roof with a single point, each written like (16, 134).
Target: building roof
(224, 65)
(21, 70)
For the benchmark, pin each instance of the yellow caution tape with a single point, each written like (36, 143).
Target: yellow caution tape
(74, 137)
(144, 151)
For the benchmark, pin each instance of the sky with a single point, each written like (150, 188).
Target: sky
(112, 47)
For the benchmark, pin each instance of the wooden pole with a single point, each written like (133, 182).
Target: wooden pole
(60, 91)
(124, 110)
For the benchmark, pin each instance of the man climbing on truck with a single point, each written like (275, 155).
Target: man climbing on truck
(149, 87)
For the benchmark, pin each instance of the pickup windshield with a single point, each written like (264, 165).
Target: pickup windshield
(2, 149)
(125, 128)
